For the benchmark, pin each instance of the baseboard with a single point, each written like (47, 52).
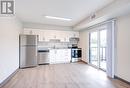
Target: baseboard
(116, 77)
(9, 78)
(84, 62)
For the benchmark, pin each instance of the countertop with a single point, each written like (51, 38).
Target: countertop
(43, 48)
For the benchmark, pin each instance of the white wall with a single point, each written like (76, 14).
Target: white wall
(117, 8)
(10, 28)
(84, 44)
(123, 47)
(45, 26)
(122, 66)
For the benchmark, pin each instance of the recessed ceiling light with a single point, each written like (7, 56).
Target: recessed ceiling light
(58, 18)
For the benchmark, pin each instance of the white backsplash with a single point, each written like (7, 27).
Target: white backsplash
(54, 45)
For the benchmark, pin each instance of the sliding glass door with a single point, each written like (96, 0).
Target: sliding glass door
(93, 48)
(102, 46)
(98, 44)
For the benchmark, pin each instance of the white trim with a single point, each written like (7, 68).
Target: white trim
(113, 48)
(95, 27)
(9, 78)
(98, 24)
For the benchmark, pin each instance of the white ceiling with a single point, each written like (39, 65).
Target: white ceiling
(33, 11)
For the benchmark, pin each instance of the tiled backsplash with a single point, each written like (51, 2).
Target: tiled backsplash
(54, 44)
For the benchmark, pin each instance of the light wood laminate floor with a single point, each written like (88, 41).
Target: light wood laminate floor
(74, 75)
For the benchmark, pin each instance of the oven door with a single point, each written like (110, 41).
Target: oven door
(79, 53)
(76, 53)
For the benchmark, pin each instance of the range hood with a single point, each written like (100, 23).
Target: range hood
(74, 39)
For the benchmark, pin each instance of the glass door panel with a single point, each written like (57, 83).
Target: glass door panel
(98, 45)
(94, 48)
(103, 45)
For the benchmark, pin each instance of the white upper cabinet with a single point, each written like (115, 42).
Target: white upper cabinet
(28, 32)
(46, 35)
(41, 35)
(62, 35)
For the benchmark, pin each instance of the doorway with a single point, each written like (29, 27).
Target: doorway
(97, 48)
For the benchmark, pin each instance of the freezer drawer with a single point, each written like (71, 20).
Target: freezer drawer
(26, 40)
(28, 56)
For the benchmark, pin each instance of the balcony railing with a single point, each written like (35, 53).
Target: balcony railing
(94, 51)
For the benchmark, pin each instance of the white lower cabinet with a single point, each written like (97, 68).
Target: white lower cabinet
(60, 56)
(52, 56)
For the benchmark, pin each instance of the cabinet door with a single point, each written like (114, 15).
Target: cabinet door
(27, 32)
(66, 36)
(52, 56)
(75, 34)
(59, 56)
(60, 35)
(63, 56)
(55, 57)
(35, 32)
(67, 55)
(69, 35)
(41, 35)
(49, 35)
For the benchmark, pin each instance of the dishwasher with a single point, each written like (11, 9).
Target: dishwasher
(43, 57)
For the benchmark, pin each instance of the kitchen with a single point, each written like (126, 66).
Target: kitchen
(50, 47)
(64, 43)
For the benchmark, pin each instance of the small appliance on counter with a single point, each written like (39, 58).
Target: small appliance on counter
(28, 50)
(76, 54)
(43, 57)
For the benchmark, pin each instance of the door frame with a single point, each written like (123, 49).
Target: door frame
(97, 29)
(114, 42)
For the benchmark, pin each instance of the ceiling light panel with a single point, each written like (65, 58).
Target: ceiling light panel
(58, 18)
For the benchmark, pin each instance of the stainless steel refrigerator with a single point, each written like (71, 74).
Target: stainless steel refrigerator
(28, 50)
